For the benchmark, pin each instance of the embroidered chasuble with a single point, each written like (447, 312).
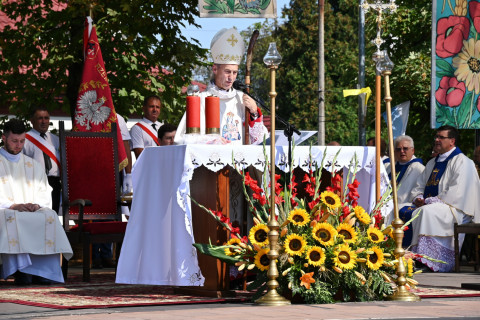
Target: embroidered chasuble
(39, 232)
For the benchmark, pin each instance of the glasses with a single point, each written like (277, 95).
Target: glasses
(402, 149)
(440, 137)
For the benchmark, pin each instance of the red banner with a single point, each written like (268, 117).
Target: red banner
(95, 111)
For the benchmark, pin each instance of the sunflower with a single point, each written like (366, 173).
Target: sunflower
(348, 232)
(344, 258)
(375, 235)
(315, 256)
(262, 261)
(299, 217)
(258, 235)
(361, 215)
(295, 245)
(375, 259)
(232, 242)
(467, 65)
(324, 233)
(330, 199)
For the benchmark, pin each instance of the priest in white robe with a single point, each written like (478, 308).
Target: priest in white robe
(445, 193)
(408, 168)
(227, 49)
(31, 236)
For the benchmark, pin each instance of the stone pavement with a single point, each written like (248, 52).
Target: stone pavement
(437, 308)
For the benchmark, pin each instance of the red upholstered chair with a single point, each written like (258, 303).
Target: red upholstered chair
(90, 182)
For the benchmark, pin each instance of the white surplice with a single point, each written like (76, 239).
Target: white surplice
(29, 241)
(458, 190)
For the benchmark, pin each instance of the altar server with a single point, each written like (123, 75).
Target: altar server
(227, 49)
(44, 146)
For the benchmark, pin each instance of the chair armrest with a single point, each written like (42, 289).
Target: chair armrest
(81, 203)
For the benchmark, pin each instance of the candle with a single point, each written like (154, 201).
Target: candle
(212, 114)
(193, 114)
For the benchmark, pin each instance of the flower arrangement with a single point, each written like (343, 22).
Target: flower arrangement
(457, 61)
(330, 248)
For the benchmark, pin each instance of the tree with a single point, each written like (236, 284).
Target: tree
(142, 46)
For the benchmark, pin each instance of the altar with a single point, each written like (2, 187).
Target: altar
(157, 248)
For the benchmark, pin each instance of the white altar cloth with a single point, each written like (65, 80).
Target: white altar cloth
(157, 248)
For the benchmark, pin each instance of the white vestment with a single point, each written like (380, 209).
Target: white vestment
(458, 189)
(405, 186)
(29, 241)
(232, 118)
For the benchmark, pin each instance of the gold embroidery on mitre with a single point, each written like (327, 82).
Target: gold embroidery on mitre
(227, 57)
(232, 40)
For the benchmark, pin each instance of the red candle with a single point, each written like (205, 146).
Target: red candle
(193, 114)
(212, 114)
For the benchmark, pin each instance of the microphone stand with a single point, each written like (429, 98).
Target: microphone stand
(289, 128)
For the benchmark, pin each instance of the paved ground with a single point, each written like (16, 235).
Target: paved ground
(439, 308)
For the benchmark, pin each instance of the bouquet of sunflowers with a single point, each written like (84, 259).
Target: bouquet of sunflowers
(330, 248)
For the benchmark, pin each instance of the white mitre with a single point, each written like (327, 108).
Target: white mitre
(227, 47)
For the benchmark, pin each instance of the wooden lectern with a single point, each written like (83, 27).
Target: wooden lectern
(212, 190)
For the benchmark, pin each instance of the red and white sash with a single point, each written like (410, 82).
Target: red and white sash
(147, 130)
(43, 145)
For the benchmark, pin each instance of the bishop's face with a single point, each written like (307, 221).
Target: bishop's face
(225, 75)
(13, 143)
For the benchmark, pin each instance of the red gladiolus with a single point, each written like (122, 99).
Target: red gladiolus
(235, 230)
(474, 9)
(451, 31)
(450, 92)
(310, 190)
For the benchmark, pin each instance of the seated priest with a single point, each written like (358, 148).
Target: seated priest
(445, 193)
(407, 168)
(227, 49)
(31, 236)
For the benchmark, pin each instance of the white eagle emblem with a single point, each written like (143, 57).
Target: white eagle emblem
(91, 111)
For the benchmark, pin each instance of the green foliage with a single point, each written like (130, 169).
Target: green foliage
(215, 251)
(137, 38)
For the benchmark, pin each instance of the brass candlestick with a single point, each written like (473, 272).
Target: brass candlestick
(402, 294)
(272, 298)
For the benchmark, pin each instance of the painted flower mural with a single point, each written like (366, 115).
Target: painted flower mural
(451, 32)
(450, 92)
(457, 64)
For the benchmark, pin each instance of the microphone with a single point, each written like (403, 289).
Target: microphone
(238, 85)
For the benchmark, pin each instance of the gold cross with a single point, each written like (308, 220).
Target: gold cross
(13, 242)
(232, 40)
(29, 164)
(49, 243)
(10, 219)
(4, 180)
(50, 220)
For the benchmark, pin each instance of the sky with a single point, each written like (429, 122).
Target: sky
(210, 26)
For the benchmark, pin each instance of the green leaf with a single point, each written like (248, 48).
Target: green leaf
(444, 66)
(231, 5)
(215, 251)
(444, 115)
(264, 4)
(464, 109)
